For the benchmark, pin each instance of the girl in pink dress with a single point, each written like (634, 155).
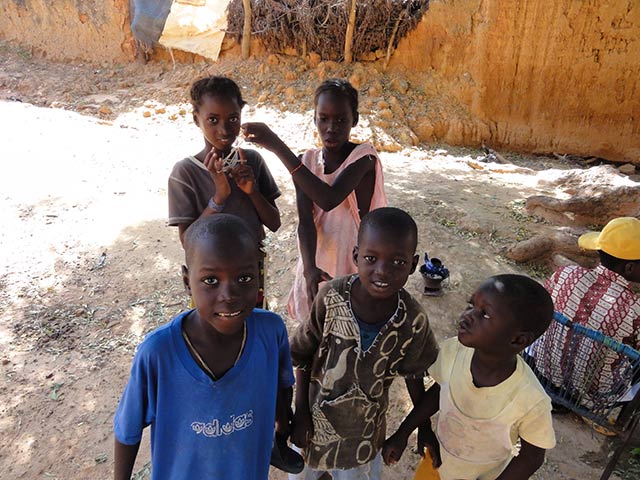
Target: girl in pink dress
(336, 185)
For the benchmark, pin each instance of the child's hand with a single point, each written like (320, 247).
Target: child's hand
(302, 428)
(393, 448)
(214, 164)
(313, 277)
(260, 134)
(243, 175)
(427, 439)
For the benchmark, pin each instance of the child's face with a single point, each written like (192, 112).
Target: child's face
(219, 120)
(486, 322)
(223, 282)
(334, 120)
(384, 261)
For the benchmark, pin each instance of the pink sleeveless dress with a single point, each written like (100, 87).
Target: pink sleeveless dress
(337, 230)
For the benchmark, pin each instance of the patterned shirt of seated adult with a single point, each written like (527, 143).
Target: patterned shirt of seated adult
(601, 299)
(596, 298)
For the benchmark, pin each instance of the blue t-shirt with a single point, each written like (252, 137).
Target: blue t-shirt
(369, 332)
(201, 428)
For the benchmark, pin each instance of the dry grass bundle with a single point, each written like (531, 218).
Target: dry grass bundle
(319, 25)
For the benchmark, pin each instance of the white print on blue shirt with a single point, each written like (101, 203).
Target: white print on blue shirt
(213, 428)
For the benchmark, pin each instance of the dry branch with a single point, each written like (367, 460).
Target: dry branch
(320, 26)
(393, 38)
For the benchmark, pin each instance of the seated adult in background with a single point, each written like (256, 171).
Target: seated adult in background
(600, 298)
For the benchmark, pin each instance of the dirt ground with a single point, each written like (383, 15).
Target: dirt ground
(88, 266)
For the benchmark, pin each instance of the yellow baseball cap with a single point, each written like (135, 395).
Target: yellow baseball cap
(619, 238)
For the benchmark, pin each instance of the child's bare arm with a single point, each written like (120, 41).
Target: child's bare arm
(321, 193)
(426, 437)
(267, 211)
(283, 410)
(302, 423)
(125, 458)
(525, 464)
(428, 405)
(307, 235)
(214, 164)
(415, 388)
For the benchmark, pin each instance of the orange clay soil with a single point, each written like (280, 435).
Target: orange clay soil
(88, 266)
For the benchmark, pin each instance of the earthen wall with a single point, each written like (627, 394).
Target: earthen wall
(561, 76)
(92, 30)
(546, 76)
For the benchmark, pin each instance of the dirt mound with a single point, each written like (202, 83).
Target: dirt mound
(493, 65)
(394, 113)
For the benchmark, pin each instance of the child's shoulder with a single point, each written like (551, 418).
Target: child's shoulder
(161, 339)
(363, 149)
(448, 351)
(451, 346)
(413, 307)
(530, 380)
(186, 164)
(255, 161)
(267, 321)
(339, 284)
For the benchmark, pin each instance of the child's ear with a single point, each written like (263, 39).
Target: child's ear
(629, 269)
(185, 279)
(522, 340)
(414, 262)
(356, 117)
(355, 255)
(195, 119)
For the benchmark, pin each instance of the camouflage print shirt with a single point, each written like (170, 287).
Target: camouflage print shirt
(349, 388)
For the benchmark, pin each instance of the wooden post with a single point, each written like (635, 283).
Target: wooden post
(246, 29)
(392, 39)
(348, 40)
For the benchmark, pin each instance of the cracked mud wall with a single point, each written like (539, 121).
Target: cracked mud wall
(90, 30)
(561, 76)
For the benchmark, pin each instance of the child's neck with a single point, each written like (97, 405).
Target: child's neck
(371, 310)
(219, 352)
(490, 369)
(334, 158)
(207, 148)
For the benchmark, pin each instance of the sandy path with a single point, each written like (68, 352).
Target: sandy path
(87, 267)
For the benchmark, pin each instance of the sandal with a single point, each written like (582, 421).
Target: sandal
(601, 429)
(283, 457)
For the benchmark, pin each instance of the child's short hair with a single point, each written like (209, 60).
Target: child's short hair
(230, 227)
(528, 302)
(390, 219)
(215, 86)
(341, 88)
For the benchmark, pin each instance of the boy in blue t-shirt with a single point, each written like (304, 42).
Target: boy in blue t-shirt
(208, 381)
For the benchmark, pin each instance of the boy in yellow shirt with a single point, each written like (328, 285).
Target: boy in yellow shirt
(487, 396)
